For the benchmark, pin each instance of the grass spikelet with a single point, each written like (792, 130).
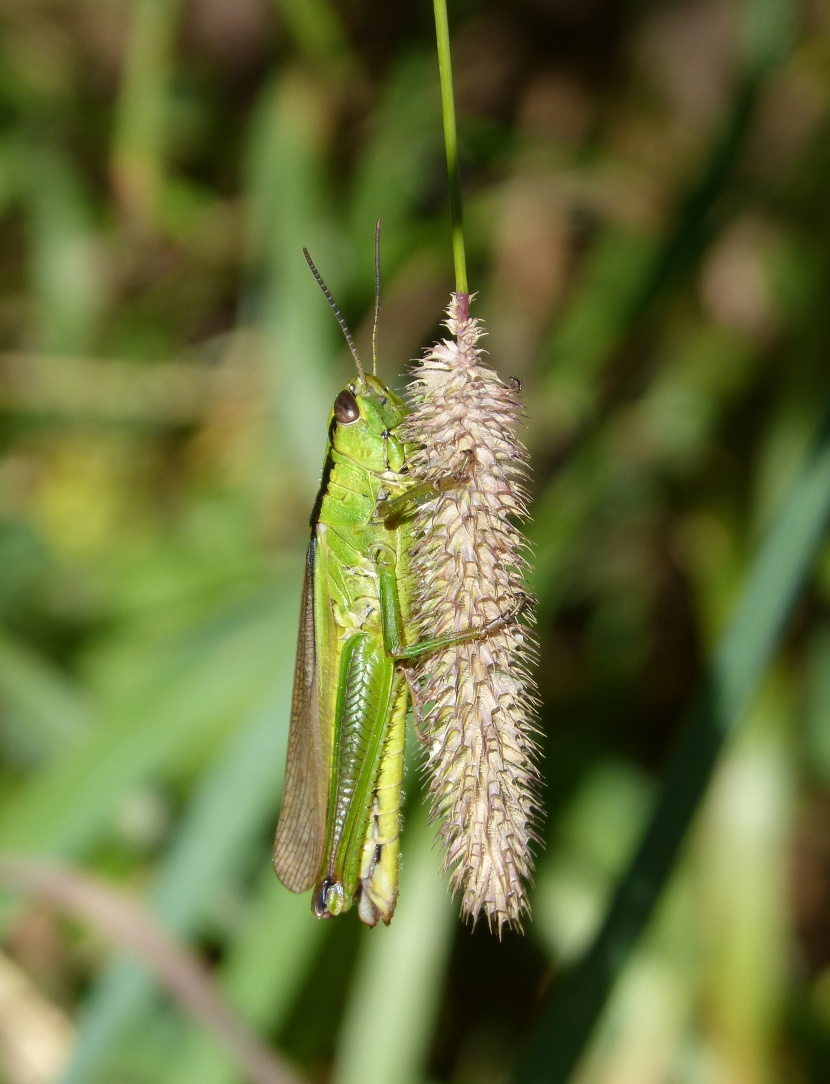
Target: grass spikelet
(479, 700)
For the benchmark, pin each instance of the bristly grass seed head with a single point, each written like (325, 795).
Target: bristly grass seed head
(469, 561)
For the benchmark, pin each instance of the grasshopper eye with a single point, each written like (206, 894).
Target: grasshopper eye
(346, 409)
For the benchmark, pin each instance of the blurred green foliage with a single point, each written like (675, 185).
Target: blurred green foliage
(649, 235)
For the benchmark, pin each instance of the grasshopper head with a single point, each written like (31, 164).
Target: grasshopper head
(362, 424)
(379, 406)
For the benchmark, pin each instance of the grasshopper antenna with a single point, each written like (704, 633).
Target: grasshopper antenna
(343, 326)
(377, 300)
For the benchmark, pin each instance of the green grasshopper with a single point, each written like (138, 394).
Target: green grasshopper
(340, 820)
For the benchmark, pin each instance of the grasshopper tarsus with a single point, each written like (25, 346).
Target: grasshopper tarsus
(459, 477)
(524, 601)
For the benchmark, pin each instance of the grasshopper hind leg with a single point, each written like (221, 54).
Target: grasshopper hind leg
(378, 892)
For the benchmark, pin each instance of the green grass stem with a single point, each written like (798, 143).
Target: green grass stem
(442, 34)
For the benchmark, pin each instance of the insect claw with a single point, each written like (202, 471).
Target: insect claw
(524, 600)
(458, 477)
(463, 474)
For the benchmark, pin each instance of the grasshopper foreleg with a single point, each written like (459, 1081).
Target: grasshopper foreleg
(391, 510)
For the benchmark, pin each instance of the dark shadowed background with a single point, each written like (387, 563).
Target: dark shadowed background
(648, 225)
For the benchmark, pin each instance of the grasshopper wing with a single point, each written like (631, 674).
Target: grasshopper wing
(300, 838)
